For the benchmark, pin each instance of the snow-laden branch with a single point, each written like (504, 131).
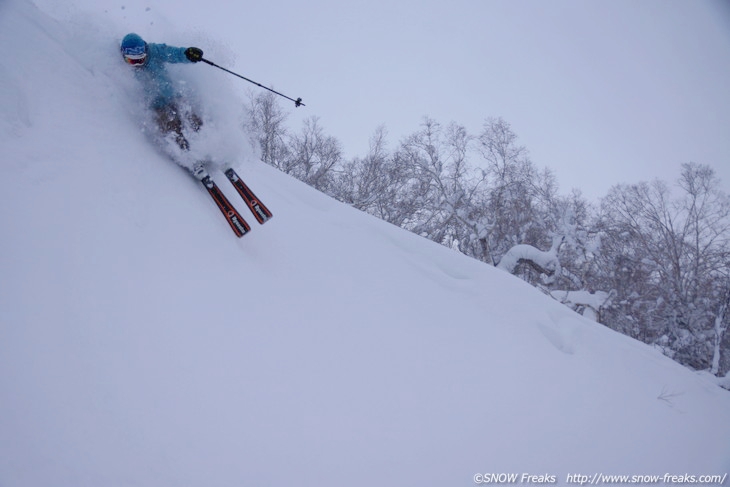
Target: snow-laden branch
(590, 302)
(544, 262)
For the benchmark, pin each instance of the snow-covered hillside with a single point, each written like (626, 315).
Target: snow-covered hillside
(142, 344)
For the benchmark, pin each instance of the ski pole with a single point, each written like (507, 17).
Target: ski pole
(297, 102)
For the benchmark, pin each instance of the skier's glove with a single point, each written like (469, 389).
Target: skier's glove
(194, 54)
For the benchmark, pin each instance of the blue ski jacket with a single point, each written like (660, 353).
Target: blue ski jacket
(159, 90)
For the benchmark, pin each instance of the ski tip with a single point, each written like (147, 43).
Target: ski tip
(241, 228)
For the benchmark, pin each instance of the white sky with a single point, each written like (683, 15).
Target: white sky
(601, 92)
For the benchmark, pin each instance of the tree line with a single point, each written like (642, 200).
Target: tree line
(650, 260)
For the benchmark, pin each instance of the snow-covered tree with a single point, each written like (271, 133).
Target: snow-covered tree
(267, 129)
(667, 257)
(375, 183)
(522, 207)
(310, 155)
(439, 184)
(314, 155)
(512, 188)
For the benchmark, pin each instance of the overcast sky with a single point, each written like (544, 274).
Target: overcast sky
(600, 91)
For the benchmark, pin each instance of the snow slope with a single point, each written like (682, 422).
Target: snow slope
(142, 344)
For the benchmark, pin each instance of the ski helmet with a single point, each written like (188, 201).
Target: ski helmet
(134, 50)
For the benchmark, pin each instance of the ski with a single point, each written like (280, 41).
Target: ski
(235, 220)
(259, 210)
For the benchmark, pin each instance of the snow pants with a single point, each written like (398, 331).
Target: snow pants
(169, 120)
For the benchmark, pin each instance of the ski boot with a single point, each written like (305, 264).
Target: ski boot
(201, 174)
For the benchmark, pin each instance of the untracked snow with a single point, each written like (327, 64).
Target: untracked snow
(142, 344)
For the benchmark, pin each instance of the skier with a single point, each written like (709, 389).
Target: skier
(149, 60)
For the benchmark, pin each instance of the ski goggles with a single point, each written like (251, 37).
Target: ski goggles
(136, 56)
